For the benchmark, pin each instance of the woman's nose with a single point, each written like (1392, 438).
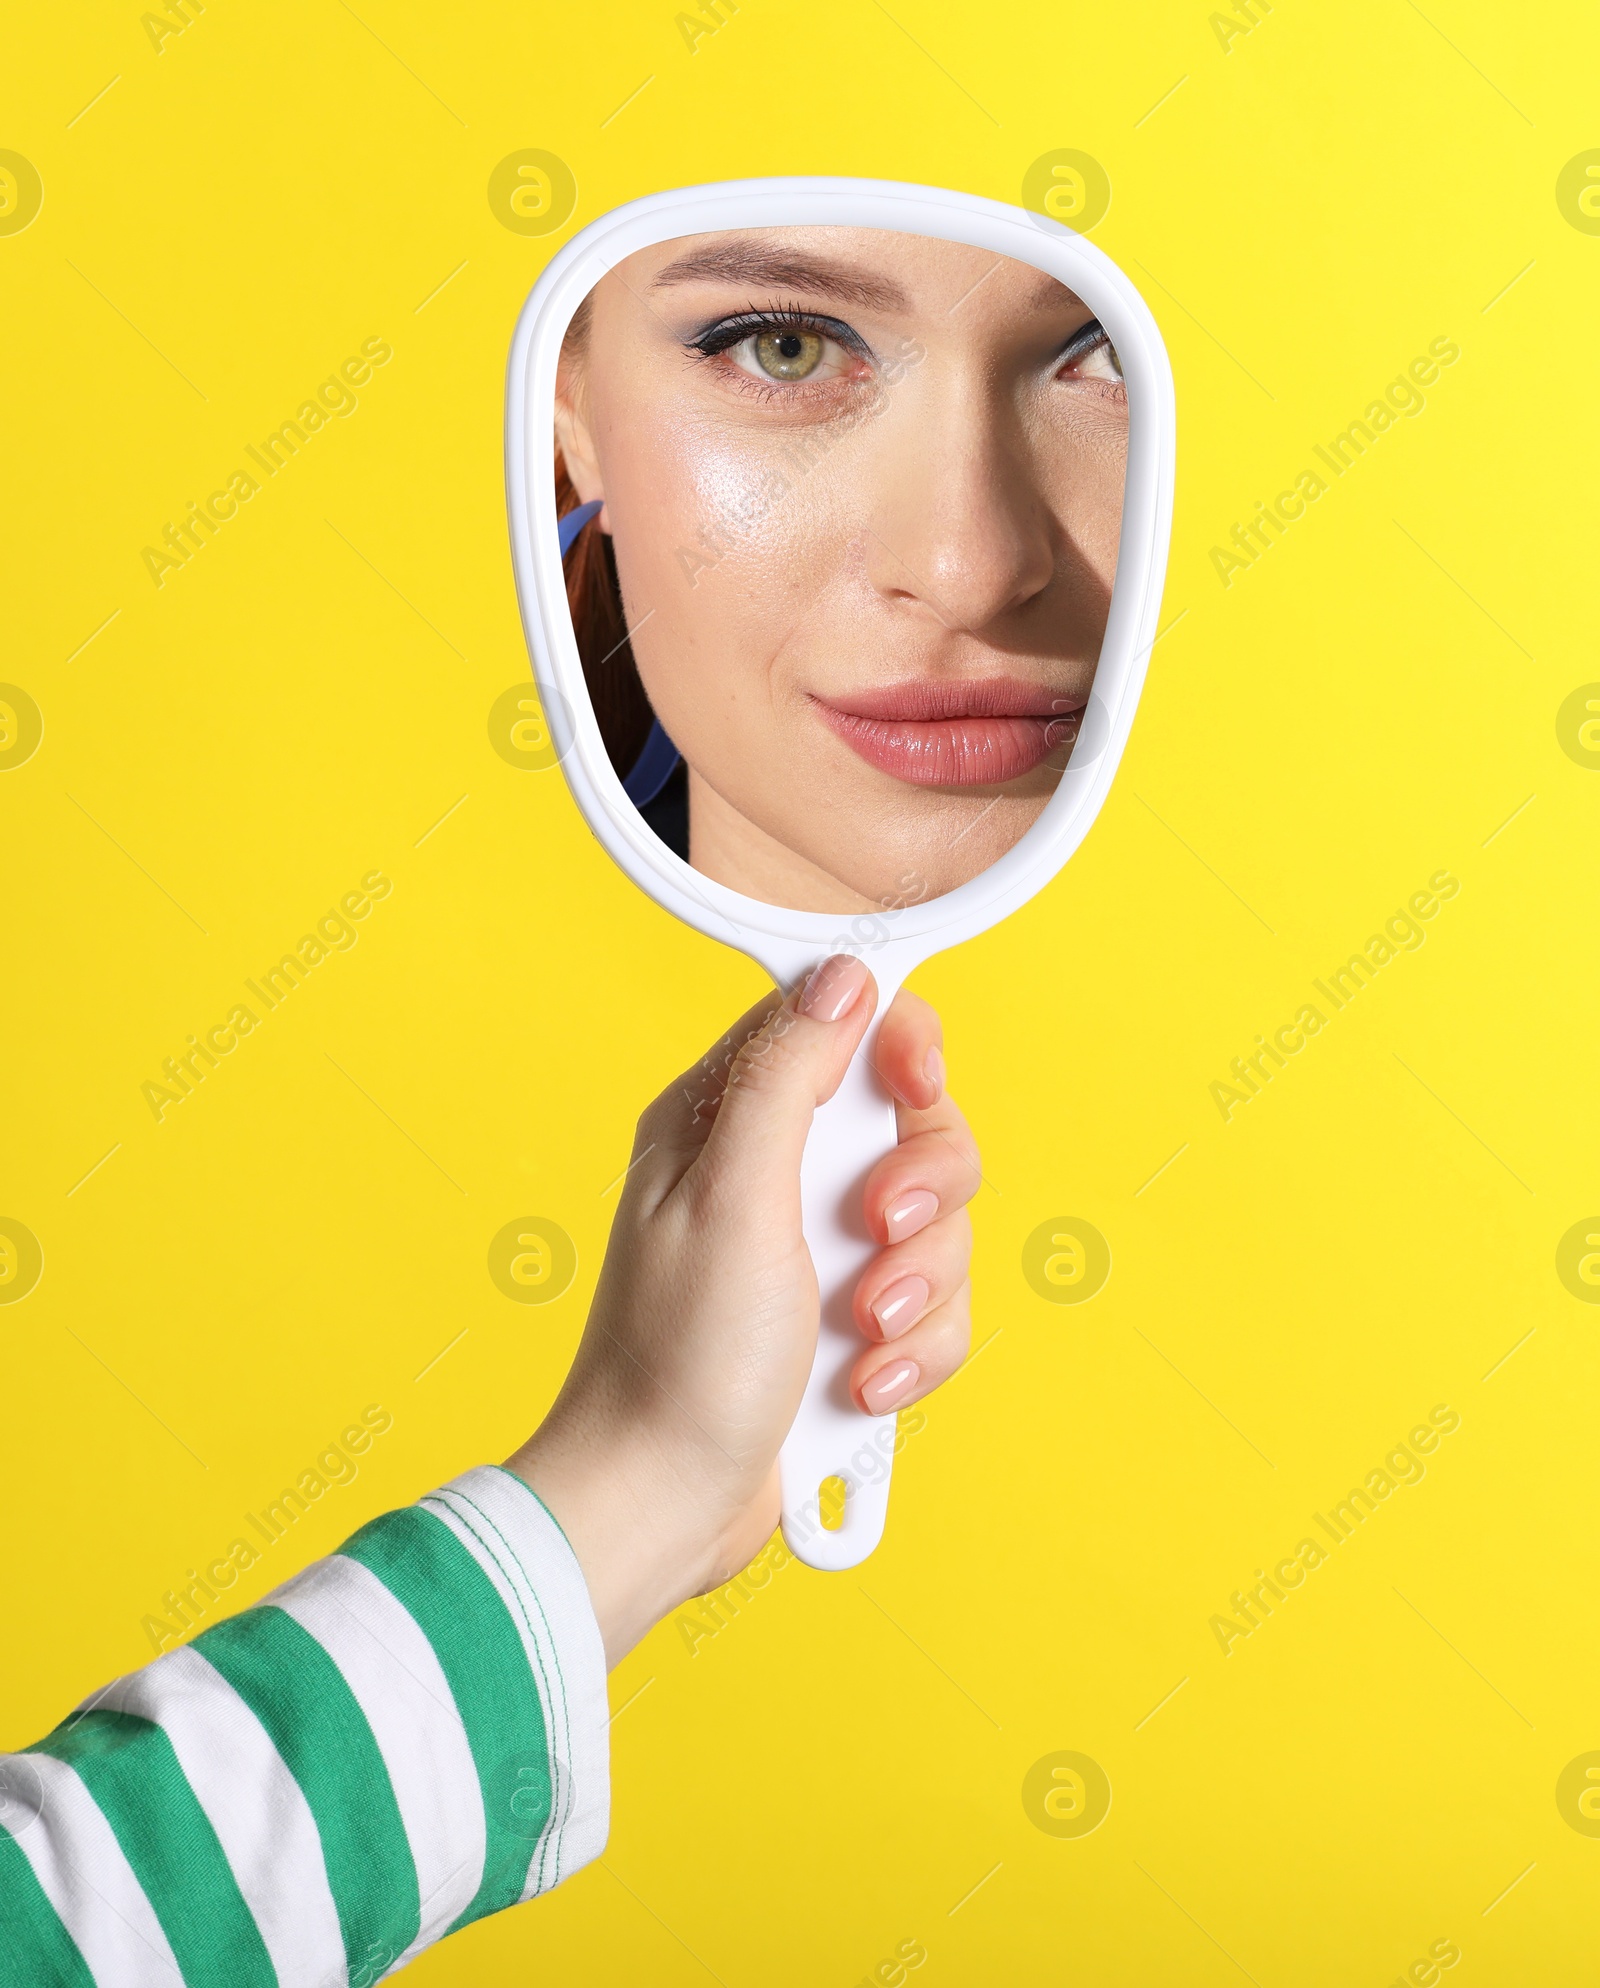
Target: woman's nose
(962, 533)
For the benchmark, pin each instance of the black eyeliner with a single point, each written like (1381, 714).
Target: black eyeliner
(1084, 339)
(725, 332)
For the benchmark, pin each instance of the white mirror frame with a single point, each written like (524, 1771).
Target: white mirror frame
(782, 940)
(830, 1436)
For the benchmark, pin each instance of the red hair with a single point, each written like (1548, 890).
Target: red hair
(595, 601)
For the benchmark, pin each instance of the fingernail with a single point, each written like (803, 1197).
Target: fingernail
(833, 988)
(933, 1070)
(911, 1212)
(889, 1385)
(899, 1307)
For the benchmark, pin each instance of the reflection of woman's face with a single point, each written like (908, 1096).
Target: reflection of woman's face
(864, 491)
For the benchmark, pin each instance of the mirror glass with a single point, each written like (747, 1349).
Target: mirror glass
(841, 509)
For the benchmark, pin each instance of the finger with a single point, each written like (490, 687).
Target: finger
(676, 1124)
(910, 1061)
(887, 1378)
(929, 1175)
(903, 1284)
(792, 1063)
(910, 1051)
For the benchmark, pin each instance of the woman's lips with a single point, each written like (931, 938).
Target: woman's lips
(979, 733)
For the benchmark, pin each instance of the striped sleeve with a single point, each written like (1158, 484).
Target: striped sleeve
(405, 1737)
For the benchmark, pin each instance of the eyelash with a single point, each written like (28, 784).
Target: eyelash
(715, 339)
(1090, 339)
(733, 330)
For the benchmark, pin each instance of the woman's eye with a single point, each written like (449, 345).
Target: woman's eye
(1095, 359)
(789, 353)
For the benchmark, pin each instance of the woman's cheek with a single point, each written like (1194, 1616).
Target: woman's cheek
(1089, 507)
(681, 550)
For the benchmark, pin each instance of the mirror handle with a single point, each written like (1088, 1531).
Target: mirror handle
(831, 1437)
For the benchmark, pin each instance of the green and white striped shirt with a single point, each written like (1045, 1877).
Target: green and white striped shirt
(405, 1737)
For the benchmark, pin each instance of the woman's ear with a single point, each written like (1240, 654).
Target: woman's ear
(575, 441)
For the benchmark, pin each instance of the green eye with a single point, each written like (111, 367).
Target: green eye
(788, 354)
(784, 349)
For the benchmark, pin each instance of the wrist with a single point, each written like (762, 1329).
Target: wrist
(638, 1554)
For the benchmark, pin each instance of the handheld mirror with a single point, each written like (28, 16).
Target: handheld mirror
(839, 510)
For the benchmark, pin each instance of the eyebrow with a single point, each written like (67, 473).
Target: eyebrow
(788, 269)
(1049, 292)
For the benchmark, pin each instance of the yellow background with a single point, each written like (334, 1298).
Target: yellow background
(833, 1772)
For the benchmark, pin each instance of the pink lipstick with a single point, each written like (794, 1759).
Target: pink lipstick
(981, 732)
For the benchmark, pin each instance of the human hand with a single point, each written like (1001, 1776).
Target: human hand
(659, 1457)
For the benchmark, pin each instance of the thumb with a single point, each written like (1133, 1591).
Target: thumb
(793, 1063)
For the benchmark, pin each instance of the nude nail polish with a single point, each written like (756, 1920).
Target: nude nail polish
(909, 1213)
(933, 1070)
(889, 1385)
(833, 989)
(899, 1307)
